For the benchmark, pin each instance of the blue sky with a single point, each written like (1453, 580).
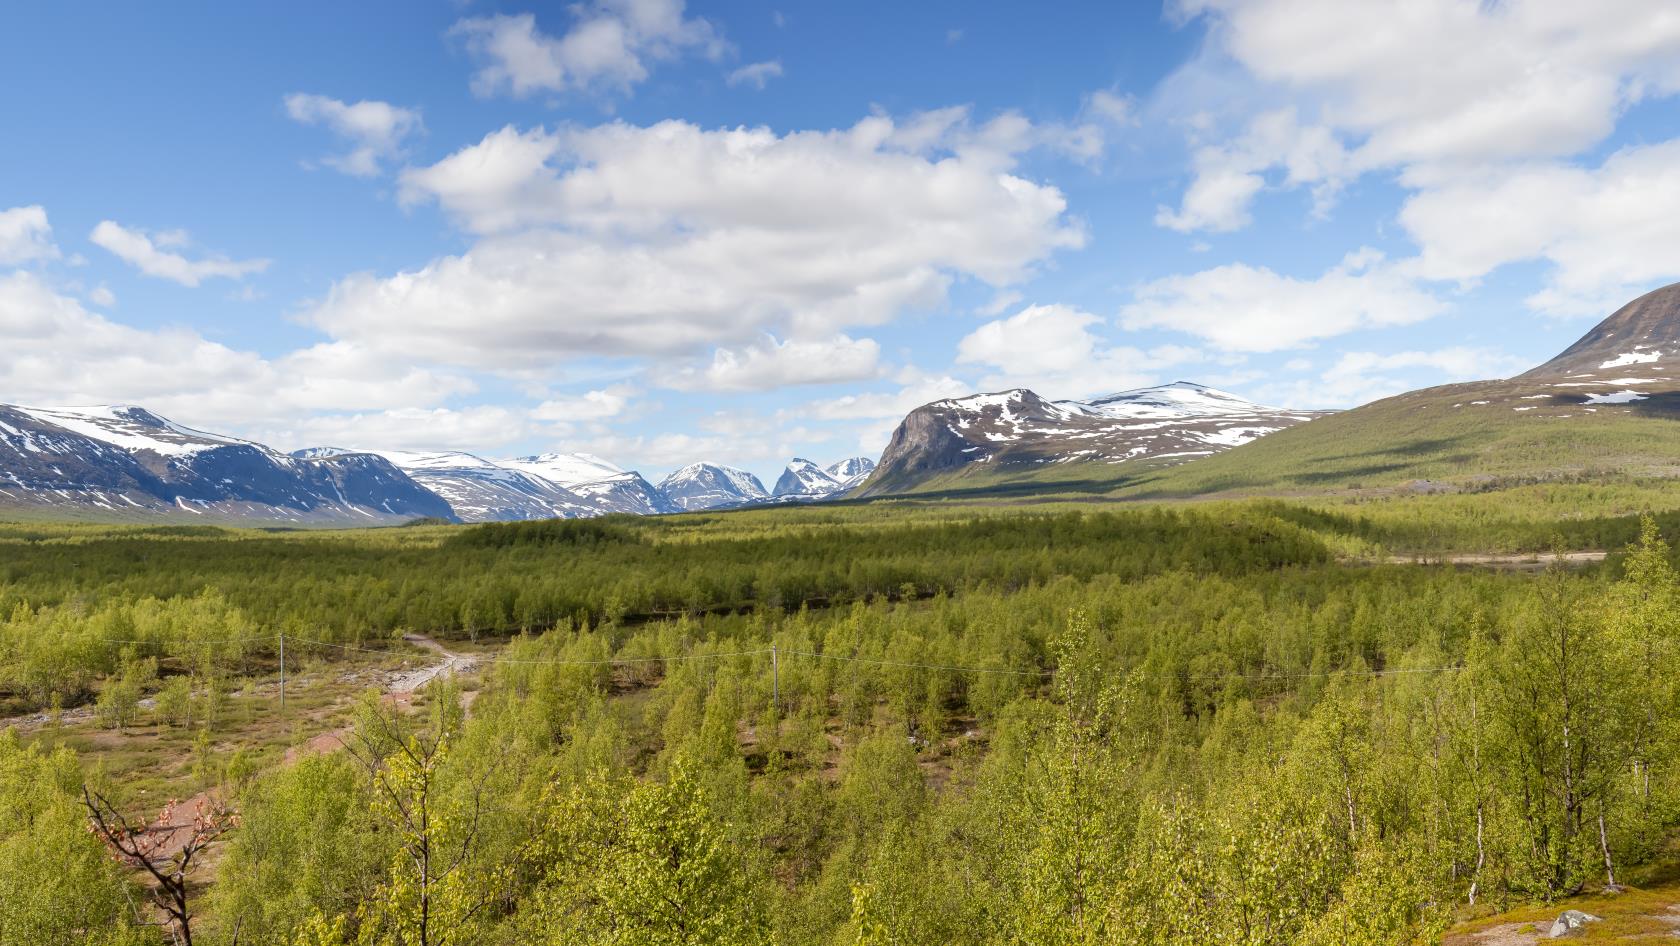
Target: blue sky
(663, 232)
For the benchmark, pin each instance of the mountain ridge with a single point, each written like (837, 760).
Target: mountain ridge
(1017, 427)
(1606, 405)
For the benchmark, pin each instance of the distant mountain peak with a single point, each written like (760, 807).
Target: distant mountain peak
(1166, 423)
(706, 485)
(124, 458)
(806, 480)
(1639, 343)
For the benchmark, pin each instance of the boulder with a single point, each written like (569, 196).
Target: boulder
(1569, 923)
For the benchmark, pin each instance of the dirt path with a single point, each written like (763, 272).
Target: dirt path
(1523, 561)
(398, 690)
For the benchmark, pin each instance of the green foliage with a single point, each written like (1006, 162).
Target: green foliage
(58, 887)
(307, 845)
(1144, 727)
(644, 864)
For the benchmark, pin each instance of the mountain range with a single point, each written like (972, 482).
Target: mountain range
(1607, 402)
(127, 461)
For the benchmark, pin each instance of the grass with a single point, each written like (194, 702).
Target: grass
(1635, 917)
(151, 762)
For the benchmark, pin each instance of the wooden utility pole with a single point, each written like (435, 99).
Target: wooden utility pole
(775, 682)
(282, 673)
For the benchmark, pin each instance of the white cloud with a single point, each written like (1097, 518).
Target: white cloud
(1444, 85)
(609, 47)
(1000, 300)
(1110, 106)
(1052, 350)
(769, 364)
(60, 353)
(1359, 377)
(583, 408)
(1244, 308)
(1229, 175)
(25, 236)
(478, 429)
(102, 296)
(756, 74)
(891, 405)
(872, 416)
(374, 129)
(147, 254)
(674, 240)
(1609, 232)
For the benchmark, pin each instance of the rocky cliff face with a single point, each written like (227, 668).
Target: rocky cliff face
(1018, 428)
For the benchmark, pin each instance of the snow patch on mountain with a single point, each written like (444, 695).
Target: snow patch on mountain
(1632, 358)
(1018, 427)
(132, 428)
(1618, 397)
(711, 486)
(567, 469)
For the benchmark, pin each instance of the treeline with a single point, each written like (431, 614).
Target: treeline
(1466, 523)
(198, 596)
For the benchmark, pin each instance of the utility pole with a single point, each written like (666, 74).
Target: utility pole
(282, 673)
(775, 682)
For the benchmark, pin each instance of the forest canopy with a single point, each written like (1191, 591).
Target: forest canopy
(1147, 725)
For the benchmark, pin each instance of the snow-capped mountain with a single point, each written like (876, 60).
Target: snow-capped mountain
(120, 458)
(711, 486)
(478, 490)
(850, 472)
(608, 487)
(1168, 423)
(804, 480)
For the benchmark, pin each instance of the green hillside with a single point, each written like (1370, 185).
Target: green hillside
(1464, 434)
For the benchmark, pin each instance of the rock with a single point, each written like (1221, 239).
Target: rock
(1569, 923)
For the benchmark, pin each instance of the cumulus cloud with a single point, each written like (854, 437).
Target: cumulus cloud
(1052, 350)
(870, 417)
(770, 364)
(1227, 176)
(25, 236)
(756, 74)
(1359, 377)
(1609, 232)
(888, 404)
(150, 255)
(583, 408)
(1242, 308)
(610, 47)
(477, 429)
(375, 130)
(673, 240)
(60, 353)
(1445, 85)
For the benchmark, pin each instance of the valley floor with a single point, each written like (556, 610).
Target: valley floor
(876, 724)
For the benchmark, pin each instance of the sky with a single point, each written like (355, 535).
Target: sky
(664, 232)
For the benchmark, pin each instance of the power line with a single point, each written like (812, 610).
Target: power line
(189, 642)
